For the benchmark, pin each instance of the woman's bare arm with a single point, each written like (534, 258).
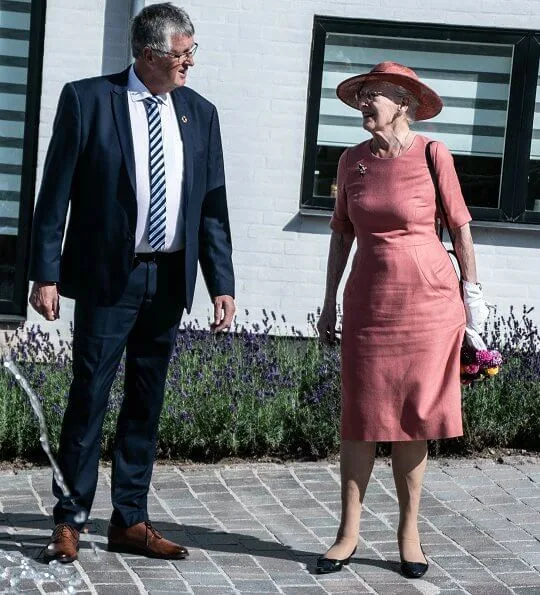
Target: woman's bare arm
(340, 248)
(464, 247)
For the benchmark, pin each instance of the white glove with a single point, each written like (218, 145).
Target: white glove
(476, 309)
(474, 339)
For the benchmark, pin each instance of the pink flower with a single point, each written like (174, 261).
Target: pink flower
(496, 358)
(483, 357)
(472, 369)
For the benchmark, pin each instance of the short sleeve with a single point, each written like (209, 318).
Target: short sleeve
(340, 221)
(449, 187)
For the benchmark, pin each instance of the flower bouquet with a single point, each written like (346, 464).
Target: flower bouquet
(478, 364)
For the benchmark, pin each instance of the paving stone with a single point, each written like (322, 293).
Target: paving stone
(451, 520)
(48, 587)
(241, 572)
(206, 580)
(492, 588)
(115, 589)
(322, 521)
(503, 565)
(211, 590)
(479, 527)
(301, 578)
(411, 590)
(155, 584)
(456, 562)
(195, 565)
(469, 576)
(100, 578)
(311, 590)
(509, 534)
(483, 546)
(519, 547)
(443, 582)
(532, 558)
(521, 579)
(255, 586)
(163, 573)
(325, 532)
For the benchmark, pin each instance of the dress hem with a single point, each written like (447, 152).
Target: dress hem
(407, 438)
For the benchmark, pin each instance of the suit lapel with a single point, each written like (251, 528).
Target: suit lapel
(185, 123)
(121, 118)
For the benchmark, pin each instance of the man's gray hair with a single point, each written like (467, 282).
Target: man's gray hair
(155, 24)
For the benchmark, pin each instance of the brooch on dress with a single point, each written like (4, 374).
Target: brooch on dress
(361, 168)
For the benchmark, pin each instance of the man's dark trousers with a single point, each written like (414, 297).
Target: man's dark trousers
(144, 323)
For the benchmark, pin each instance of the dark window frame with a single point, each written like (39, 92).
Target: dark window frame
(521, 103)
(16, 308)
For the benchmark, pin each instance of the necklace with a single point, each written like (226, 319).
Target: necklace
(401, 144)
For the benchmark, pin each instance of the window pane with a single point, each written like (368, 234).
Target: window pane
(472, 78)
(533, 198)
(14, 45)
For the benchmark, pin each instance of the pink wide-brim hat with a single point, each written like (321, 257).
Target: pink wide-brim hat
(429, 102)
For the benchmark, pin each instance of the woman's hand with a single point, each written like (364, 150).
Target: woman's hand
(476, 309)
(326, 326)
(340, 246)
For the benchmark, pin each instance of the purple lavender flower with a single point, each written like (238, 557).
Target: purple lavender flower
(187, 417)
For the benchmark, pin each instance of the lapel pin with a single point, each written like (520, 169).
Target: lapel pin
(361, 168)
(184, 119)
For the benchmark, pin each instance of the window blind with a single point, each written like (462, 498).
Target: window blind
(14, 47)
(473, 80)
(535, 142)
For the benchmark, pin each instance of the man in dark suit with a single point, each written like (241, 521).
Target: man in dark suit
(137, 157)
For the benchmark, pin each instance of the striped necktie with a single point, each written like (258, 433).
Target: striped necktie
(156, 223)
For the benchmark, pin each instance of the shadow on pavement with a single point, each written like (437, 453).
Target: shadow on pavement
(31, 544)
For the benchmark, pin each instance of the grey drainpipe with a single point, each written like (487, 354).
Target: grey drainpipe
(135, 7)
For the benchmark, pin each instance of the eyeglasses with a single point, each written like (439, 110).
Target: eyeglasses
(183, 56)
(363, 96)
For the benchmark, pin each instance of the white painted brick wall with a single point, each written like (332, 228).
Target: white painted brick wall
(253, 64)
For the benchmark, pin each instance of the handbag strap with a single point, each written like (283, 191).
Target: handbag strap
(439, 203)
(438, 199)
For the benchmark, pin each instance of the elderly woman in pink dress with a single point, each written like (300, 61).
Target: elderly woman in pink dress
(404, 317)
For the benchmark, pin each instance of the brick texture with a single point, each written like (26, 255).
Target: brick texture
(253, 64)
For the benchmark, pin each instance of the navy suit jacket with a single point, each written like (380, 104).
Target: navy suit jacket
(90, 167)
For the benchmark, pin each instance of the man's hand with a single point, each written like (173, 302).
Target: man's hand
(224, 309)
(45, 300)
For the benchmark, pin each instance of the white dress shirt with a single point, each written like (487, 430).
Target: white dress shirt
(173, 153)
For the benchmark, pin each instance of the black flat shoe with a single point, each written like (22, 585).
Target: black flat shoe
(414, 569)
(328, 565)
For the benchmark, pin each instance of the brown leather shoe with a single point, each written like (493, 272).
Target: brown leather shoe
(144, 540)
(63, 544)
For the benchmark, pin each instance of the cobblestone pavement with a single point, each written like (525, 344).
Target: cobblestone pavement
(257, 528)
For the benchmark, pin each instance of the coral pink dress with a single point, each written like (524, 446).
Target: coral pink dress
(403, 316)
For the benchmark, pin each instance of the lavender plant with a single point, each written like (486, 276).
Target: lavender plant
(255, 393)
(246, 393)
(504, 411)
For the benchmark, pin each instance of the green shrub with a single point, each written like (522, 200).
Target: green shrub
(251, 394)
